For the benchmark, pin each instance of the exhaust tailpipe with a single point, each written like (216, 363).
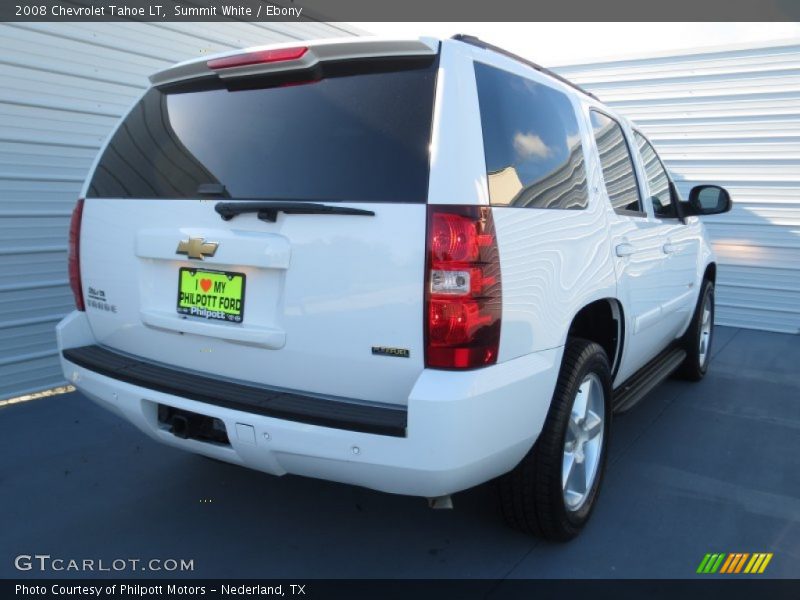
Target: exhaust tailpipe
(179, 426)
(441, 502)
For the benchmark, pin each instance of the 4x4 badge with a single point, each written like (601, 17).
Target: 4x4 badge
(196, 248)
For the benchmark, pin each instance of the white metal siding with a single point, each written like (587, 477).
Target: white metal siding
(730, 117)
(63, 87)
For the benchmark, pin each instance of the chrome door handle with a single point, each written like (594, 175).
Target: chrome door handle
(625, 249)
(669, 248)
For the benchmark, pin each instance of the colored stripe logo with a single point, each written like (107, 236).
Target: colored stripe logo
(734, 562)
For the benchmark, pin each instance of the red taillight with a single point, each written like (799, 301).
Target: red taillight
(257, 58)
(462, 288)
(74, 255)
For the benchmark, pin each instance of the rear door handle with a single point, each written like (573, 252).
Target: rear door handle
(669, 248)
(625, 249)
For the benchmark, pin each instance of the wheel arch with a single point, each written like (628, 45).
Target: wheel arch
(602, 321)
(710, 273)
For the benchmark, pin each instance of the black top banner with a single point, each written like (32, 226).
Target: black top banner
(399, 10)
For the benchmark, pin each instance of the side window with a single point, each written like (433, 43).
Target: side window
(657, 179)
(617, 164)
(531, 142)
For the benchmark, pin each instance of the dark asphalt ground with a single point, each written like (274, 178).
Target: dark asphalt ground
(695, 468)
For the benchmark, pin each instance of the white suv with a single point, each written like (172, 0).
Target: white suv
(411, 265)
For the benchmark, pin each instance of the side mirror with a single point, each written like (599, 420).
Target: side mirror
(708, 200)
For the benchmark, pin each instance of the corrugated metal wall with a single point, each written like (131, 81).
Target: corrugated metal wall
(731, 117)
(63, 87)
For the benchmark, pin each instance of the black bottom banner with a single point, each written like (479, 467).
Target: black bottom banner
(412, 589)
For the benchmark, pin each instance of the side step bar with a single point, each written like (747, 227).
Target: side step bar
(645, 379)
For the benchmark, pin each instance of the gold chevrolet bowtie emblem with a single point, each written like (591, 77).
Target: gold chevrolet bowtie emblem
(196, 248)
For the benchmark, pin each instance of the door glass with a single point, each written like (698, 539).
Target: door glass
(657, 179)
(617, 165)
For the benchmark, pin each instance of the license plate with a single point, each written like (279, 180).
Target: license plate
(217, 295)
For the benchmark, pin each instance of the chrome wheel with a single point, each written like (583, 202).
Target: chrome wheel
(705, 331)
(583, 442)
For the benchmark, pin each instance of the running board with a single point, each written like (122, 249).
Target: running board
(645, 379)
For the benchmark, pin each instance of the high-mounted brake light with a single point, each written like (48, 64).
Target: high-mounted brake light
(257, 58)
(463, 300)
(74, 255)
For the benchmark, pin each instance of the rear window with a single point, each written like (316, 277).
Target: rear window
(531, 142)
(358, 138)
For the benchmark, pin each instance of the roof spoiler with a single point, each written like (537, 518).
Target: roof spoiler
(479, 43)
(277, 58)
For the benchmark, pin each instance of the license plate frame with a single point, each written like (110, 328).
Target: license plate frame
(217, 309)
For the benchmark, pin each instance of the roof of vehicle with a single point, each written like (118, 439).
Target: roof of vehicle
(331, 49)
(479, 43)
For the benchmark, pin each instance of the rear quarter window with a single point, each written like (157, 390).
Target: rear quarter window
(531, 141)
(358, 138)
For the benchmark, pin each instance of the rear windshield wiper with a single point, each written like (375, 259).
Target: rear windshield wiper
(268, 211)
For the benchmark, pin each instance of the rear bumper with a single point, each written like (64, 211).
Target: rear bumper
(463, 428)
(338, 413)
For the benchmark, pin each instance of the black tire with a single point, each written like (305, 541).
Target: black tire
(694, 368)
(532, 495)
